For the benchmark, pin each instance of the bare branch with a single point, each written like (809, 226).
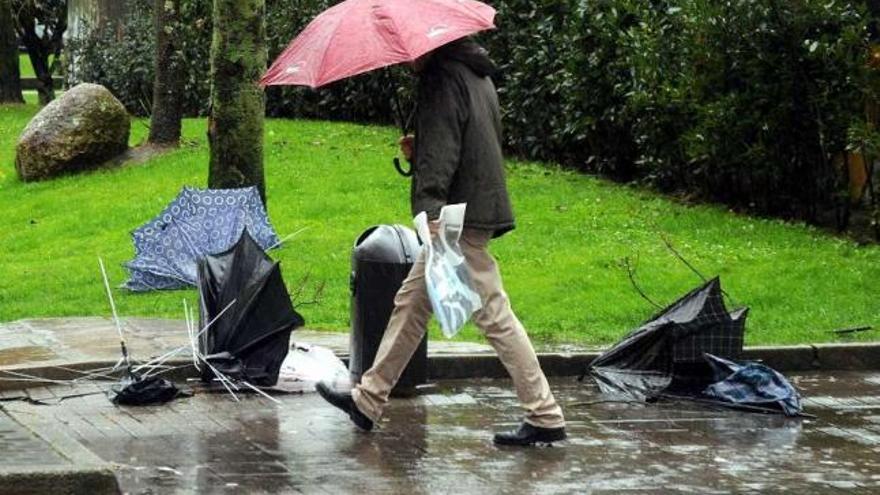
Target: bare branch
(841, 331)
(301, 287)
(678, 255)
(689, 265)
(631, 273)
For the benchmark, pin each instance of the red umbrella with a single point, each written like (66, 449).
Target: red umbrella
(357, 36)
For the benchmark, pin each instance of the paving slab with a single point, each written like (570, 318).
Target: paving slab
(440, 442)
(48, 460)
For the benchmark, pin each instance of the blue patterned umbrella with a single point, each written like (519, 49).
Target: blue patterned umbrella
(197, 223)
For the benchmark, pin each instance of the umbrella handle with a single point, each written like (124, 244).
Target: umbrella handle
(400, 170)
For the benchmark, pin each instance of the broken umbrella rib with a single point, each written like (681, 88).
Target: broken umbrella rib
(116, 321)
(167, 355)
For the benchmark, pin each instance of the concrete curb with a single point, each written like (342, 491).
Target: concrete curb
(462, 366)
(829, 357)
(43, 480)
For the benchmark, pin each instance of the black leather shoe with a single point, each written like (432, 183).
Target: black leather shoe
(344, 402)
(528, 434)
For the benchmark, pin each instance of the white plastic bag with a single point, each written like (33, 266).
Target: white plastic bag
(449, 285)
(306, 365)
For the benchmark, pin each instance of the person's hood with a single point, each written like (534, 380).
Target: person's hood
(469, 53)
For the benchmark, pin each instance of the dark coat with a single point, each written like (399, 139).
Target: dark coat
(458, 139)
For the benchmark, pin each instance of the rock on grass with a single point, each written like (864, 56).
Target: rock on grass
(81, 130)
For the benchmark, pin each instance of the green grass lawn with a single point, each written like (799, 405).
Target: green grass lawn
(24, 66)
(560, 266)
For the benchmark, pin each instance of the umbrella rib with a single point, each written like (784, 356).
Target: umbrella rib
(264, 394)
(189, 318)
(159, 364)
(397, 33)
(221, 377)
(115, 315)
(31, 378)
(167, 355)
(193, 339)
(186, 238)
(327, 49)
(285, 239)
(333, 34)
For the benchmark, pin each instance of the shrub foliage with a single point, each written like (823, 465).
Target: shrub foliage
(743, 101)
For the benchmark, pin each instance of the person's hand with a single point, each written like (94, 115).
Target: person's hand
(434, 227)
(406, 146)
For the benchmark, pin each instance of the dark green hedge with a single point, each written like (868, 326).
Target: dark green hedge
(121, 60)
(741, 101)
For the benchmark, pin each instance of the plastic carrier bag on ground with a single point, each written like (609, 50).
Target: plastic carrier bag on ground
(450, 289)
(306, 365)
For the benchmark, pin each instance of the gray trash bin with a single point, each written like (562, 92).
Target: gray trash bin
(382, 257)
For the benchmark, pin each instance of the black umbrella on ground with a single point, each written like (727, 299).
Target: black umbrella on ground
(136, 390)
(251, 336)
(666, 353)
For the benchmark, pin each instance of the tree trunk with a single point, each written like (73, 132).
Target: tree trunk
(83, 16)
(235, 125)
(45, 84)
(168, 81)
(873, 15)
(52, 19)
(10, 77)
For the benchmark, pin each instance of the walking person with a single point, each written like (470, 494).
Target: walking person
(456, 158)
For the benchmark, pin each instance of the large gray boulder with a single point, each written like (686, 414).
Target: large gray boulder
(81, 130)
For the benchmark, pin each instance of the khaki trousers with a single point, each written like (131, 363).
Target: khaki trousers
(505, 333)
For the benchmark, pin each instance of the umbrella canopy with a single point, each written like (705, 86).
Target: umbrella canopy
(196, 223)
(139, 391)
(752, 384)
(668, 350)
(357, 36)
(251, 337)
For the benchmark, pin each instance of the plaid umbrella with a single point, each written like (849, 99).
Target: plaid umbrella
(667, 351)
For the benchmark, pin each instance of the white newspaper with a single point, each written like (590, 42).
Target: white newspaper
(450, 289)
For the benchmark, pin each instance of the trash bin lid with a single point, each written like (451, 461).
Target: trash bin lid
(387, 244)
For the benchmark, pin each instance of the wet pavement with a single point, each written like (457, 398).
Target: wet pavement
(440, 442)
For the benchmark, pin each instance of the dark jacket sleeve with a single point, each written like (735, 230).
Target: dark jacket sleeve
(439, 126)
